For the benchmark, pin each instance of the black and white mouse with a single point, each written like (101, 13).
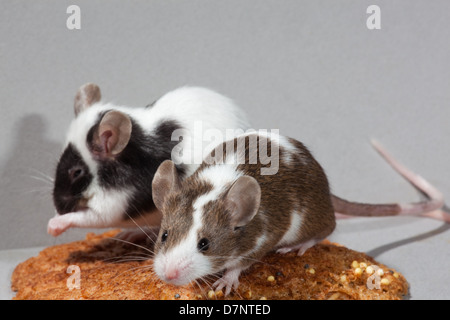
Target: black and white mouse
(104, 175)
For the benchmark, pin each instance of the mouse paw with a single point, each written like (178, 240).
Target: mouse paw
(229, 281)
(284, 250)
(57, 225)
(301, 247)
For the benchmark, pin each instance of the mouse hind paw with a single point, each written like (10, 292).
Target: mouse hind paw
(301, 247)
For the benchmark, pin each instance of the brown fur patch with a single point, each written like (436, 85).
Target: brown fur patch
(178, 212)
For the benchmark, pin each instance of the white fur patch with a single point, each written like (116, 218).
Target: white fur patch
(289, 149)
(114, 202)
(219, 176)
(259, 243)
(291, 234)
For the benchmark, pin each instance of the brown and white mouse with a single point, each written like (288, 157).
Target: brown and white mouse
(259, 193)
(104, 175)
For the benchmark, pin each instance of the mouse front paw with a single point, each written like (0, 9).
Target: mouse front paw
(229, 281)
(57, 225)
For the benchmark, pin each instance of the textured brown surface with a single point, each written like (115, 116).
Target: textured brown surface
(108, 272)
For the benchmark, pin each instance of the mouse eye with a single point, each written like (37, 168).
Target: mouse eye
(164, 236)
(75, 173)
(203, 244)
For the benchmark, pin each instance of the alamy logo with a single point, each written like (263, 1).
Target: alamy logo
(73, 22)
(374, 281)
(195, 147)
(74, 281)
(374, 20)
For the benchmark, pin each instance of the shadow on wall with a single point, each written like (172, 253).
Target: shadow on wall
(26, 185)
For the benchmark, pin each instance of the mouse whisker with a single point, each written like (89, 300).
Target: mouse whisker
(45, 177)
(153, 234)
(207, 284)
(138, 268)
(241, 257)
(122, 259)
(140, 253)
(134, 244)
(42, 190)
(198, 286)
(41, 179)
(133, 269)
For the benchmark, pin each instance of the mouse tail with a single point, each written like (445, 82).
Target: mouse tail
(434, 201)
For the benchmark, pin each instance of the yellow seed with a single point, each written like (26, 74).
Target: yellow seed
(396, 275)
(385, 281)
(369, 270)
(248, 294)
(263, 298)
(380, 272)
(358, 271)
(343, 278)
(218, 293)
(311, 270)
(355, 264)
(363, 265)
(270, 278)
(211, 294)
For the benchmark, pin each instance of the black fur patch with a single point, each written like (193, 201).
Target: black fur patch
(136, 165)
(68, 186)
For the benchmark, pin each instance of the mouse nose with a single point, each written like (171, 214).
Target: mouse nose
(172, 274)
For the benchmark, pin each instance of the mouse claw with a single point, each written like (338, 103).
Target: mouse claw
(284, 250)
(229, 281)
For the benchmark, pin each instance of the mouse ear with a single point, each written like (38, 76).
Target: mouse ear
(243, 200)
(87, 95)
(112, 135)
(166, 180)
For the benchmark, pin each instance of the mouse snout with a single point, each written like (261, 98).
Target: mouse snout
(173, 270)
(172, 273)
(176, 273)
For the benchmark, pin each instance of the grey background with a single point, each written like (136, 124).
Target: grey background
(309, 68)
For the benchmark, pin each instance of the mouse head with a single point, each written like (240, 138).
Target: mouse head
(203, 229)
(96, 166)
